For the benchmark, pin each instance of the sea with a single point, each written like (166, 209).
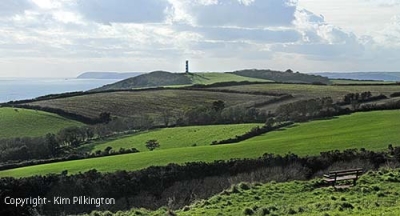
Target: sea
(12, 89)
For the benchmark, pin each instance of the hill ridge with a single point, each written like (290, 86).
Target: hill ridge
(165, 78)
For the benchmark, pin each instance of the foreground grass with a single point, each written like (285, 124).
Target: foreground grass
(177, 137)
(30, 123)
(375, 194)
(372, 130)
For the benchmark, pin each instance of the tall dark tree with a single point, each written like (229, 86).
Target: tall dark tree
(52, 144)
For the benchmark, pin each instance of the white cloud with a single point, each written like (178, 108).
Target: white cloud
(390, 34)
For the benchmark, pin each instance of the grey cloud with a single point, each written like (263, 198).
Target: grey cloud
(324, 51)
(257, 35)
(243, 34)
(12, 7)
(233, 13)
(124, 11)
(223, 49)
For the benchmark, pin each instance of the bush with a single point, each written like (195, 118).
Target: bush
(152, 144)
(395, 94)
(263, 211)
(248, 211)
(244, 186)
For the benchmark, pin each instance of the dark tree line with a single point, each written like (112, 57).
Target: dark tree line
(317, 108)
(62, 145)
(354, 99)
(216, 113)
(307, 109)
(153, 186)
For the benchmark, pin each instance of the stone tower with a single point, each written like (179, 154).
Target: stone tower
(187, 66)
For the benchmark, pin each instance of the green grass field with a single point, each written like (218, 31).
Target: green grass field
(314, 91)
(176, 137)
(375, 194)
(30, 123)
(212, 77)
(372, 130)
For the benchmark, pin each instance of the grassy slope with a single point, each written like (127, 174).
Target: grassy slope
(376, 194)
(313, 91)
(372, 130)
(145, 102)
(178, 137)
(210, 78)
(30, 123)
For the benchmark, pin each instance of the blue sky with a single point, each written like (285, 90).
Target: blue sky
(63, 38)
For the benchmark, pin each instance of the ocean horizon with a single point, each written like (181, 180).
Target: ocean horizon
(12, 89)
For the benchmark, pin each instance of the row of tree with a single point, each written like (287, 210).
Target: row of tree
(307, 109)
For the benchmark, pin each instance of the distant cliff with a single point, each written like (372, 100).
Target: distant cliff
(108, 75)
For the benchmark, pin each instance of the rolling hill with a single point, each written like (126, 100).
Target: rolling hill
(150, 102)
(371, 130)
(162, 78)
(30, 123)
(153, 79)
(176, 100)
(305, 91)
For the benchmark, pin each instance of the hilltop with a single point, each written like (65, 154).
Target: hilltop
(163, 78)
(288, 76)
(153, 79)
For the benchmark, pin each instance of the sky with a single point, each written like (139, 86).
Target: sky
(64, 38)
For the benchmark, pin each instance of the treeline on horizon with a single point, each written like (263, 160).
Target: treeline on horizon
(153, 187)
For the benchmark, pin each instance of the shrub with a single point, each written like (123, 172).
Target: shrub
(244, 186)
(152, 144)
(248, 211)
(292, 211)
(263, 211)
